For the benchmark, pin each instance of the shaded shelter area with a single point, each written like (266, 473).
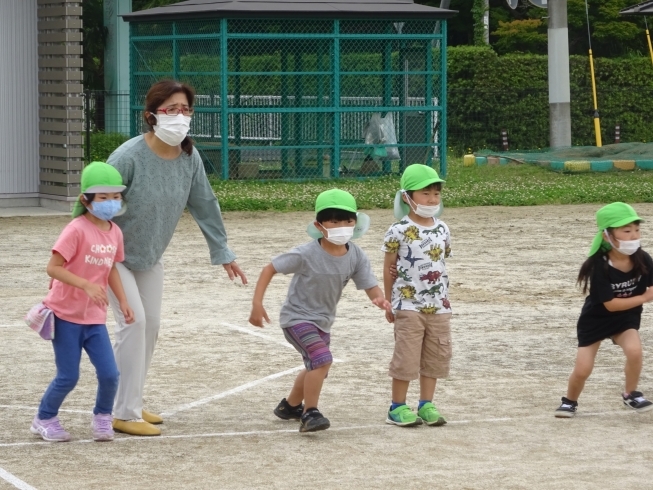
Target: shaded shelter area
(304, 89)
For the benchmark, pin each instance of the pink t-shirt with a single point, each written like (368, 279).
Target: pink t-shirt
(89, 253)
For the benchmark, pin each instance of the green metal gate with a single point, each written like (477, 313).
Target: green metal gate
(300, 99)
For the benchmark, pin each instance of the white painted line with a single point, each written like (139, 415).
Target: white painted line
(256, 333)
(549, 416)
(34, 409)
(15, 325)
(16, 482)
(237, 389)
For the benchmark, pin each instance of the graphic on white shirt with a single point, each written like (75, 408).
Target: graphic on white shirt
(422, 282)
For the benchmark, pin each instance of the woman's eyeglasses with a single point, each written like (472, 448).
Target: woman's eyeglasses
(175, 111)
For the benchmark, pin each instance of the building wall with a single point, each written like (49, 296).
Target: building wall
(19, 122)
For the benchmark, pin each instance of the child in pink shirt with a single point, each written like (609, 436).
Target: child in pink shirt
(81, 267)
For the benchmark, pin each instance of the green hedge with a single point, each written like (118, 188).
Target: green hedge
(487, 93)
(103, 144)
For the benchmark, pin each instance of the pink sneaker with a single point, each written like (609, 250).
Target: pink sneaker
(50, 430)
(101, 425)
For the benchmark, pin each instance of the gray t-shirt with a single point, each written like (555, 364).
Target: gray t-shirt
(157, 192)
(318, 281)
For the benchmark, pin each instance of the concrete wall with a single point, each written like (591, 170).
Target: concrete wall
(19, 123)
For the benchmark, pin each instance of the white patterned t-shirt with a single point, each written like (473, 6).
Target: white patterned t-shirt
(422, 282)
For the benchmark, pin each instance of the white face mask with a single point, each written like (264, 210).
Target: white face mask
(423, 210)
(628, 247)
(171, 129)
(339, 236)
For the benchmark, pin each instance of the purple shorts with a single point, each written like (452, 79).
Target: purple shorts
(311, 342)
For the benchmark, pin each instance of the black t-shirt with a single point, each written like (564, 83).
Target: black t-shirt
(596, 322)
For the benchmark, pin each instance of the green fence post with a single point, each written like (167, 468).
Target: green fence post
(387, 89)
(403, 102)
(297, 130)
(237, 116)
(224, 103)
(320, 117)
(443, 100)
(429, 125)
(132, 82)
(285, 119)
(175, 53)
(335, 159)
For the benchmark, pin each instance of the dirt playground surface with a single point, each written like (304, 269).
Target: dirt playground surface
(216, 379)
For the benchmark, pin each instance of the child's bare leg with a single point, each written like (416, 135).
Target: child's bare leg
(399, 390)
(631, 344)
(313, 381)
(582, 370)
(297, 392)
(426, 388)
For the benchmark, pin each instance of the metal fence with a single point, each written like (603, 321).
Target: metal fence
(110, 120)
(296, 100)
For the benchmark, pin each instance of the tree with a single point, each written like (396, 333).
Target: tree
(150, 4)
(526, 36)
(612, 34)
(95, 39)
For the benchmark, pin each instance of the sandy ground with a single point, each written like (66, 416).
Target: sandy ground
(217, 379)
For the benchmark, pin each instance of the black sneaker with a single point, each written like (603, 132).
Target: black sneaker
(567, 409)
(313, 420)
(286, 411)
(637, 402)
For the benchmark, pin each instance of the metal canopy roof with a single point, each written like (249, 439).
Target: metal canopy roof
(644, 8)
(366, 9)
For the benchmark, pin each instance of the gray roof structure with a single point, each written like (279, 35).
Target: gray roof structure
(644, 8)
(330, 9)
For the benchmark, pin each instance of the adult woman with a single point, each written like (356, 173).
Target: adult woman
(163, 174)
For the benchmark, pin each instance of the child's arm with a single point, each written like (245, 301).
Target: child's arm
(258, 313)
(376, 295)
(389, 261)
(115, 283)
(56, 271)
(621, 304)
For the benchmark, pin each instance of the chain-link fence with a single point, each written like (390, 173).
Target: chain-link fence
(478, 119)
(296, 100)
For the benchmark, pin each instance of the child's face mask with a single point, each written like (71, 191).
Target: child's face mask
(626, 247)
(105, 210)
(423, 210)
(340, 235)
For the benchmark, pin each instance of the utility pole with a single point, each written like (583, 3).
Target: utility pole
(559, 97)
(486, 21)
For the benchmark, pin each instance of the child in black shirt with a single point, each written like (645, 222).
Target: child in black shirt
(619, 274)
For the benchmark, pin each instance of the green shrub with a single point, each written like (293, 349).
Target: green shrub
(103, 144)
(487, 93)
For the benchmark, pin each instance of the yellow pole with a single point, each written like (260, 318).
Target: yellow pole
(597, 121)
(650, 48)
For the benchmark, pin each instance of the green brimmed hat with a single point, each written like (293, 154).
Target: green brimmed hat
(418, 176)
(98, 177)
(335, 198)
(611, 216)
(339, 199)
(414, 178)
